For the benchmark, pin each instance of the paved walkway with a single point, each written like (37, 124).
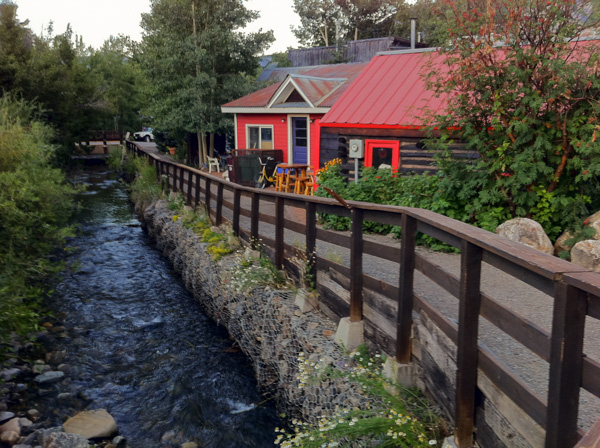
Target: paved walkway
(518, 296)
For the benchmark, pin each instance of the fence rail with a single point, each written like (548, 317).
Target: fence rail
(575, 291)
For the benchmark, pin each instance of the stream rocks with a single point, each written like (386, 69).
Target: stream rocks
(43, 379)
(49, 377)
(93, 424)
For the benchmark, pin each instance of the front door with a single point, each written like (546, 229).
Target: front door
(299, 139)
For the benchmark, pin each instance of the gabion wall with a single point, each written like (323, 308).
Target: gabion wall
(266, 324)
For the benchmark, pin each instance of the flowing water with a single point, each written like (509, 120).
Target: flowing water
(138, 344)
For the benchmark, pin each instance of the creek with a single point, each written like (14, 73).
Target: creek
(137, 343)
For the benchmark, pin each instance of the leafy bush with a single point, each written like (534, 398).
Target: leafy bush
(36, 204)
(386, 187)
(146, 187)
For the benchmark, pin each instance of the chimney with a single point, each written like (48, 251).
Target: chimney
(413, 33)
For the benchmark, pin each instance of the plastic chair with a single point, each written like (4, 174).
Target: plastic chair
(213, 161)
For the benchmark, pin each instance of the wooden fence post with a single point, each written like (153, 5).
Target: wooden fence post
(237, 194)
(174, 178)
(405, 290)
(356, 271)
(566, 364)
(207, 194)
(219, 217)
(181, 171)
(279, 218)
(197, 190)
(254, 220)
(311, 245)
(467, 347)
(189, 188)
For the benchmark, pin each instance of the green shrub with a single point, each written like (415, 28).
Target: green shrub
(36, 204)
(146, 188)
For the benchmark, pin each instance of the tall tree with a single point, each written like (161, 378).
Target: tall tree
(523, 93)
(431, 20)
(366, 19)
(197, 58)
(15, 44)
(318, 22)
(123, 89)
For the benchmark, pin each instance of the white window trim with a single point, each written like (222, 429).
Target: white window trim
(290, 137)
(235, 132)
(259, 126)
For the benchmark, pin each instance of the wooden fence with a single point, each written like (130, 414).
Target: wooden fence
(575, 290)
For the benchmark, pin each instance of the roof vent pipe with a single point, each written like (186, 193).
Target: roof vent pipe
(413, 33)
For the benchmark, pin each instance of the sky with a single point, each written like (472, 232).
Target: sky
(97, 20)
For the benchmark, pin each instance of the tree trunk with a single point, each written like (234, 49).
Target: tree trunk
(201, 149)
(211, 149)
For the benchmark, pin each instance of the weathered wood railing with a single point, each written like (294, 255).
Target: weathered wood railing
(576, 292)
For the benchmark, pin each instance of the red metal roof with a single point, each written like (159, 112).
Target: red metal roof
(315, 82)
(390, 91)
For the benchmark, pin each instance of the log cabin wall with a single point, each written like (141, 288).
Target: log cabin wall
(415, 157)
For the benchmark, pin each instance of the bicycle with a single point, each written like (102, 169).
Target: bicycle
(262, 178)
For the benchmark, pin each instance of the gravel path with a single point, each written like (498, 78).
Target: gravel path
(517, 295)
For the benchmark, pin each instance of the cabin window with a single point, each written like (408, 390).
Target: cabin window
(382, 154)
(259, 137)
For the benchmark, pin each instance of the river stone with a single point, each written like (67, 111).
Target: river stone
(9, 374)
(119, 442)
(64, 397)
(587, 254)
(528, 232)
(49, 377)
(64, 440)
(92, 424)
(55, 357)
(189, 445)
(41, 435)
(9, 437)
(33, 414)
(5, 416)
(11, 426)
(25, 422)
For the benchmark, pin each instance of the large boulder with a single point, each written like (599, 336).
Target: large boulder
(561, 243)
(587, 254)
(594, 222)
(94, 424)
(528, 232)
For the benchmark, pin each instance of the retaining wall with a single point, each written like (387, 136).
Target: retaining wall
(271, 330)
